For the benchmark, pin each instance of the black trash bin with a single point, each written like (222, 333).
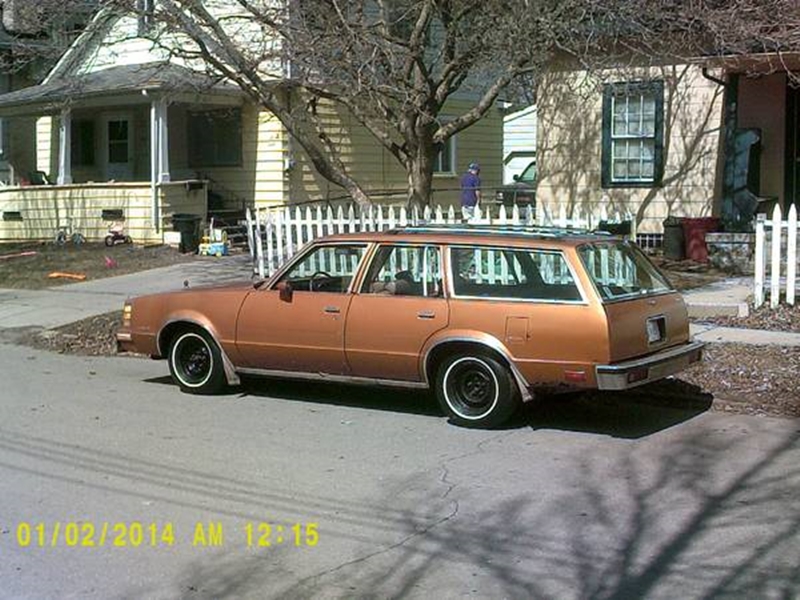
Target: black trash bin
(189, 227)
(673, 245)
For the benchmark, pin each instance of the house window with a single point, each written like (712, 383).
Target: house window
(145, 10)
(118, 141)
(445, 160)
(82, 143)
(215, 138)
(633, 134)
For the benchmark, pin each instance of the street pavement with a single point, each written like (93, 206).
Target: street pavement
(575, 499)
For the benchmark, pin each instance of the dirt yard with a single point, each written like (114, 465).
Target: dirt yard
(29, 265)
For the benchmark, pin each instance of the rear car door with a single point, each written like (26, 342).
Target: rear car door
(399, 306)
(305, 333)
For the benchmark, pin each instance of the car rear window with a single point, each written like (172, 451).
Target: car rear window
(513, 273)
(620, 270)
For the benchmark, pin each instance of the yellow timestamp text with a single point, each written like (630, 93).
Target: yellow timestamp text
(138, 534)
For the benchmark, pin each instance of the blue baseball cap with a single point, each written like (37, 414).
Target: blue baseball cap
(474, 167)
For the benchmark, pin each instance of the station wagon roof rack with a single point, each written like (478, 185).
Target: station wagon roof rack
(508, 229)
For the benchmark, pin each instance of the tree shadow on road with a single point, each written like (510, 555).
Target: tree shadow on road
(706, 516)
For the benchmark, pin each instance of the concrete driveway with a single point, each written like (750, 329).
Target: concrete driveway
(607, 499)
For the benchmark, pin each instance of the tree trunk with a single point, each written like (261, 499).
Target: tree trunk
(419, 166)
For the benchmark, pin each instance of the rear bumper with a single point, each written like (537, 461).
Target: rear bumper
(633, 373)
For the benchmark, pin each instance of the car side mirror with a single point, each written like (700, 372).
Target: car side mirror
(285, 291)
(516, 178)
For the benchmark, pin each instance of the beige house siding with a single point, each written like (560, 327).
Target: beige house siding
(259, 180)
(46, 153)
(45, 209)
(378, 171)
(570, 146)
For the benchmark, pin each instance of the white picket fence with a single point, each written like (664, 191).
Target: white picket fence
(780, 262)
(275, 234)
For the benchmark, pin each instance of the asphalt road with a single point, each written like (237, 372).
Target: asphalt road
(609, 499)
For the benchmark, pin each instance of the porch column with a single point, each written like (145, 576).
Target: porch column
(154, 165)
(163, 140)
(64, 148)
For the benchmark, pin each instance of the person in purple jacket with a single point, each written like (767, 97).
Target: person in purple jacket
(470, 191)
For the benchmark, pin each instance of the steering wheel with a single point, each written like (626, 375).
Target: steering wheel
(317, 275)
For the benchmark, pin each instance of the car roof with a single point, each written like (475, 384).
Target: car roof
(517, 235)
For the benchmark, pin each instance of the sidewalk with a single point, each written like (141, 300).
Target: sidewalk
(56, 306)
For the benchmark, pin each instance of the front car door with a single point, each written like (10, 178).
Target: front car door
(400, 304)
(306, 333)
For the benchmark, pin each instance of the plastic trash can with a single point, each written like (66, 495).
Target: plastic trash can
(674, 246)
(189, 227)
(694, 234)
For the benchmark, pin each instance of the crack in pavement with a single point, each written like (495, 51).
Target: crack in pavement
(479, 448)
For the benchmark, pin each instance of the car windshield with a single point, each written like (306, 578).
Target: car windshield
(529, 174)
(620, 270)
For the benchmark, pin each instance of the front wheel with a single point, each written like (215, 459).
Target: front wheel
(195, 363)
(476, 390)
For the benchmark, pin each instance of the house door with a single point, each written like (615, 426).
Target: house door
(118, 148)
(792, 182)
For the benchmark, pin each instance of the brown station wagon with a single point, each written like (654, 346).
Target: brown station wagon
(487, 317)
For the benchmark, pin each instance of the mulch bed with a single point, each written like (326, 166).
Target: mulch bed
(781, 318)
(90, 261)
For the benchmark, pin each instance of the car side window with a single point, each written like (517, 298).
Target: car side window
(515, 273)
(328, 268)
(399, 270)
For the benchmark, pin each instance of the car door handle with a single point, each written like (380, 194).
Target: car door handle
(334, 310)
(426, 314)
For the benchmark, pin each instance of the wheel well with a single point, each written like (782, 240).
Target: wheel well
(439, 353)
(171, 331)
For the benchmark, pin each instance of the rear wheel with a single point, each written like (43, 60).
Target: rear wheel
(476, 390)
(195, 362)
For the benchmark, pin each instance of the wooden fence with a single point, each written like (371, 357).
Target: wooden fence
(275, 234)
(782, 257)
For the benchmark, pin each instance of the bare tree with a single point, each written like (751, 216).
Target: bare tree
(37, 32)
(396, 65)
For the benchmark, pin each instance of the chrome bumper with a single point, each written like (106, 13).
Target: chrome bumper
(632, 373)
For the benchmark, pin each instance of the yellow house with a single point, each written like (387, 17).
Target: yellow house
(124, 131)
(714, 137)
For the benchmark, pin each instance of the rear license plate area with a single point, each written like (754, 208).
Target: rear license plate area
(656, 330)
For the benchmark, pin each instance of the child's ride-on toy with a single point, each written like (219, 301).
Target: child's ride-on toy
(116, 235)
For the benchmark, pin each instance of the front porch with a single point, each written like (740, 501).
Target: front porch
(134, 144)
(37, 213)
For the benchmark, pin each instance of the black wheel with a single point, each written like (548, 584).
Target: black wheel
(109, 240)
(315, 276)
(77, 239)
(476, 390)
(61, 238)
(127, 240)
(195, 362)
